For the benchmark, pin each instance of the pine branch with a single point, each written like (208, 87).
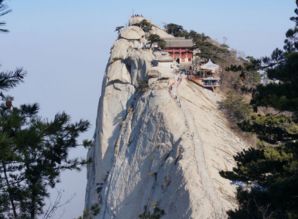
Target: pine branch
(11, 79)
(3, 11)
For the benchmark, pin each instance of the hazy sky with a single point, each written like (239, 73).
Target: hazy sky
(64, 46)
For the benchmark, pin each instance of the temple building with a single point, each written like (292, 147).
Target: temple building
(163, 59)
(209, 69)
(207, 76)
(180, 49)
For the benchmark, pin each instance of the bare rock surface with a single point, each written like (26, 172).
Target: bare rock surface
(132, 33)
(160, 141)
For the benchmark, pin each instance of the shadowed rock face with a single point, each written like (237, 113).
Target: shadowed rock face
(159, 142)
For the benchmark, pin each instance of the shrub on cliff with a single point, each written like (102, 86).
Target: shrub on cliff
(144, 25)
(154, 38)
(236, 109)
(156, 214)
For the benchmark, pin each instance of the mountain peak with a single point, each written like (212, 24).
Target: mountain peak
(160, 139)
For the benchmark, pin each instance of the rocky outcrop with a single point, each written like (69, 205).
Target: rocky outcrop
(132, 33)
(160, 140)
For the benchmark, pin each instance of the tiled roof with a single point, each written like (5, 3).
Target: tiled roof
(210, 66)
(178, 42)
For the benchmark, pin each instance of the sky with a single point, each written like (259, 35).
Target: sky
(64, 46)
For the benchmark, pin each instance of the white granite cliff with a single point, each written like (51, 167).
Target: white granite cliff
(160, 140)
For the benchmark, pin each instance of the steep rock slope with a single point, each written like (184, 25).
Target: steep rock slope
(160, 140)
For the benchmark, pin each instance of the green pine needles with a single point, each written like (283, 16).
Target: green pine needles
(267, 174)
(33, 151)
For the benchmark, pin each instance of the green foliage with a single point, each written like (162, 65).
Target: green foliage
(118, 28)
(283, 66)
(220, 54)
(236, 109)
(176, 30)
(284, 95)
(279, 96)
(86, 215)
(33, 154)
(225, 45)
(161, 44)
(197, 37)
(249, 77)
(272, 128)
(154, 38)
(11, 79)
(269, 179)
(145, 25)
(156, 214)
(95, 209)
(209, 49)
(3, 11)
(33, 151)
(90, 213)
(224, 56)
(267, 175)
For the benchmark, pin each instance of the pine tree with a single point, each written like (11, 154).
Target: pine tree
(33, 150)
(267, 175)
(154, 38)
(175, 30)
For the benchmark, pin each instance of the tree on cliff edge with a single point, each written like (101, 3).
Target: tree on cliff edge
(267, 175)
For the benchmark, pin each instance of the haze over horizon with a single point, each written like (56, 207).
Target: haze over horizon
(64, 47)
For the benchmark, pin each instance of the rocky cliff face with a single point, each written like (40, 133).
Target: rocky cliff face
(160, 140)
